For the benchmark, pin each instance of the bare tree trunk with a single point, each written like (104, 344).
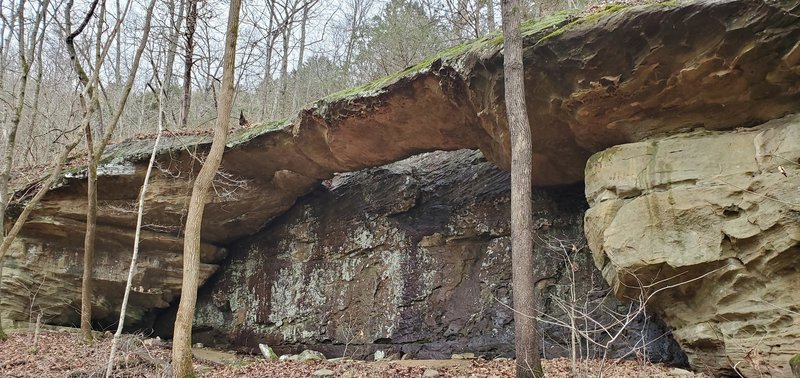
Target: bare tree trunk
(526, 339)
(172, 49)
(287, 32)
(182, 339)
(359, 9)
(118, 53)
(91, 194)
(490, 15)
(476, 18)
(36, 96)
(7, 41)
(95, 152)
(188, 61)
(88, 241)
(11, 131)
(302, 45)
(137, 236)
(268, 63)
(3, 335)
(463, 19)
(300, 58)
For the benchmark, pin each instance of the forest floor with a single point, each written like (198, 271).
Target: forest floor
(63, 354)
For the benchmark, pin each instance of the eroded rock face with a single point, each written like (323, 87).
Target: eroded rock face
(412, 257)
(646, 71)
(43, 271)
(718, 214)
(591, 84)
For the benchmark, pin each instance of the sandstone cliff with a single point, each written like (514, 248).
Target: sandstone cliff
(711, 213)
(624, 75)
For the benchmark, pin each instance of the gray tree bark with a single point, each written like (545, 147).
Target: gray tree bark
(172, 49)
(526, 335)
(95, 151)
(188, 62)
(490, 22)
(182, 338)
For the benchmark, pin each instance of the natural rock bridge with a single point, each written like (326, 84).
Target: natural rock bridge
(685, 203)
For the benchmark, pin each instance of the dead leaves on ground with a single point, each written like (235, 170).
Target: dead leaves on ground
(62, 354)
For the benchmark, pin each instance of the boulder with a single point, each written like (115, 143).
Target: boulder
(463, 356)
(411, 257)
(267, 352)
(322, 373)
(310, 356)
(708, 223)
(287, 357)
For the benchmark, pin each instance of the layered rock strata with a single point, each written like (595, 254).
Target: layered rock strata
(709, 223)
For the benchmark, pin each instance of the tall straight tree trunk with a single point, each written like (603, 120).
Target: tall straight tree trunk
(118, 52)
(87, 291)
(3, 335)
(172, 49)
(37, 90)
(463, 20)
(351, 41)
(95, 153)
(302, 45)
(188, 62)
(287, 32)
(7, 42)
(301, 51)
(137, 234)
(182, 339)
(88, 241)
(268, 64)
(490, 15)
(526, 338)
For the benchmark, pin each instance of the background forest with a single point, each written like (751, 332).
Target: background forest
(290, 52)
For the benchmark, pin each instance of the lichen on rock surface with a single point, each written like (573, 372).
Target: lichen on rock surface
(627, 75)
(414, 257)
(717, 215)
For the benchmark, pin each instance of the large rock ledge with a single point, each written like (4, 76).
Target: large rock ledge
(592, 83)
(714, 206)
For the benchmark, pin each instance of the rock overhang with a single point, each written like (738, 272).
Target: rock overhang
(620, 76)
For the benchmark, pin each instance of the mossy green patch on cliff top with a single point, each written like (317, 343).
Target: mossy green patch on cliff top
(375, 86)
(484, 46)
(590, 18)
(608, 10)
(245, 135)
(544, 28)
(139, 149)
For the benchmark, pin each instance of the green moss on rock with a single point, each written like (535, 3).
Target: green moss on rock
(588, 19)
(608, 10)
(488, 44)
(794, 363)
(245, 135)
